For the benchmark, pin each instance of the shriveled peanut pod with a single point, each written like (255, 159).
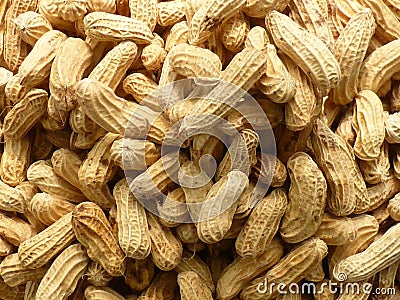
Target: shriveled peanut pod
(170, 13)
(112, 68)
(145, 11)
(42, 174)
(307, 198)
(379, 66)
(159, 178)
(191, 286)
(70, 62)
(32, 26)
(244, 269)
(270, 170)
(13, 273)
(300, 45)
(336, 230)
(163, 286)
(93, 230)
(262, 225)
(304, 106)
(368, 123)
(193, 61)
(392, 128)
(66, 164)
(133, 234)
(178, 34)
(191, 262)
(257, 38)
(377, 170)
(234, 32)
(277, 83)
(5, 247)
(201, 26)
(15, 160)
(116, 115)
(394, 207)
(218, 209)
(290, 269)
(173, 210)
(95, 292)
(350, 50)
(314, 21)
(139, 86)
(187, 233)
(139, 273)
(97, 168)
(334, 159)
(97, 275)
(37, 65)
(166, 249)
(101, 26)
(153, 57)
(43, 247)
(48, 208)
(64, 273)
(15, 230)
(379, 255)
(25, 114)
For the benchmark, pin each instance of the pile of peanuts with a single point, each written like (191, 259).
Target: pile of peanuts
(323, 208)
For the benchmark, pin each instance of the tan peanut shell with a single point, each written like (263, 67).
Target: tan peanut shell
(145, 11)
(133, 234)
(262, 225)
(191, 286)
(218, 209)
(307, 198)
(350, 49)
(94, 292)
(62, 277)
(244, 269)
(97, 275)
(306, 50)
(14, 274)
(43, 247)
(192, 262)
(335, 230)
(103, 26)
(163, 286)
(368, 123)
(379, 255)
(166, 249)
(32, 26)
(201, 26)
(93, 230)
(43, 175)
(15, 160)
(48, 209)
(290, 269)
